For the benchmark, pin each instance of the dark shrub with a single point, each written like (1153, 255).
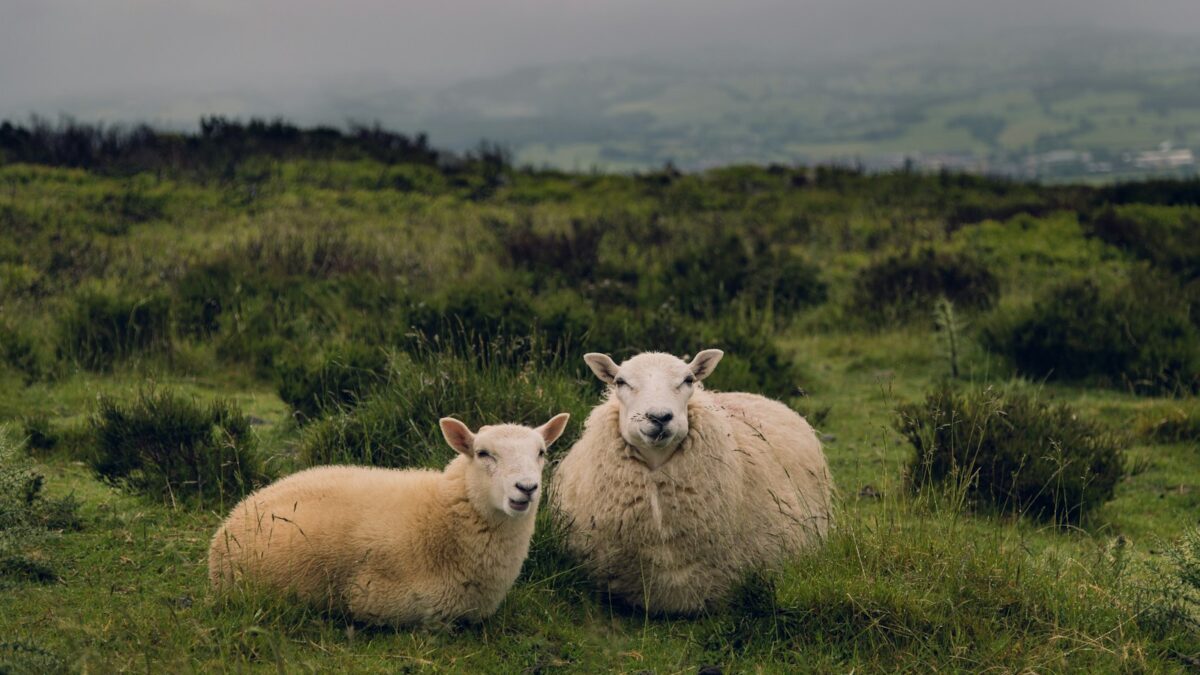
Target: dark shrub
(268, 327)
(710, 271)
(28, 519)
(39, 434)
(66, 256)
(1165, 191)
(906, 284)
(1166, 236)
(201, 295)
(485, 321)
(1011, 452)
(122, 209)
(1134, 333)
(398, 425)
(100, 327)
(570, 256)
(23, 353)
(338, 379)
(624, 332)
(173, 448)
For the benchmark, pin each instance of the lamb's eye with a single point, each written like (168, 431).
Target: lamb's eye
(620, 382)
(688, 380)
(542, 452)
(481, 454)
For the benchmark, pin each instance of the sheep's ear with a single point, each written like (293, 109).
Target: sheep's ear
(458, 435)
(603, 366)
(705, 362)
(551, 430)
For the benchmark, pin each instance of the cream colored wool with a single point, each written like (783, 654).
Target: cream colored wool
(394, 546)
(746, 487)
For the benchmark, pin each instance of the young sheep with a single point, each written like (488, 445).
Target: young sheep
(395, 546)
(674, 493)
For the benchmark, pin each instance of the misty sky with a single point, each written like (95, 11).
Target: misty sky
(52, 51)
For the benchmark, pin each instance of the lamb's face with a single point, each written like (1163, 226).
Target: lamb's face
(506, 460)
(653, 391)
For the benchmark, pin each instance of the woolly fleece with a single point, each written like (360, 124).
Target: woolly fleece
(748, 486)
(387, 546)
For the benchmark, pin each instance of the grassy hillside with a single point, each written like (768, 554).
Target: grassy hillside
(294, 302)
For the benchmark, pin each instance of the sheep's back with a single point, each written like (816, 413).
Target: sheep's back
(788, 485)
(308, 532)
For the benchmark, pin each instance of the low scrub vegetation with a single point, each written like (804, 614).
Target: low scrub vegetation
(176, 449)
(1168, 237)
(21, 352)
(904, 285)
(336, 380)
(1133, 333)
(29, 520)
(102, 326)
(397, 426)
(349, 287)
(1010, 451)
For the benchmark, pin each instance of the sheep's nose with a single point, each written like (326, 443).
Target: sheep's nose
(527, 488)
(660, 417)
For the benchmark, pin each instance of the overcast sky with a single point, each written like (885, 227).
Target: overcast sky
(56, 50)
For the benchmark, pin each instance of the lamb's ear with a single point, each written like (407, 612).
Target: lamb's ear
(551, 430)
(458, 435)
(705, 362)
(603, 366)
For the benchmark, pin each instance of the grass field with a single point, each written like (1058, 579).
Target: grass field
(241, 284)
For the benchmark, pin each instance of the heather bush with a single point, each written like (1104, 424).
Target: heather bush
(176, 449)
(335, 380)
(906, 284)
(101, 326)
(1011, 452)
(23, 353)
(1168, 237)
(398, 424)
(1132, 333)
(28, 519)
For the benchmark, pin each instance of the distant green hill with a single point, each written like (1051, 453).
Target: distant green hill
(1004, 99)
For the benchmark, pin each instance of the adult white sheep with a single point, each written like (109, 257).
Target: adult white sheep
(395, 546)
(674, 493)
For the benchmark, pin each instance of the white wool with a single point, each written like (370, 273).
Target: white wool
(395, 546)
(670, 515)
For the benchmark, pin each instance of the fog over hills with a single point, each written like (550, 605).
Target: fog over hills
(621, 85)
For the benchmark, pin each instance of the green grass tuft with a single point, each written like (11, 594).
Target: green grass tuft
(1010, 451)
(176, 449)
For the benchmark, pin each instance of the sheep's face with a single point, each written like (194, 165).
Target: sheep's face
(653, 391)
(505, 471)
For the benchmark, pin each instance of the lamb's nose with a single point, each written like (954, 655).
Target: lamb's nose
(527, 488)
(660, 417)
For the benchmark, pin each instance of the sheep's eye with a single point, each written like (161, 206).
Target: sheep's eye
(482, 454)
(689, 380)
(542, 452)
(620, 382)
